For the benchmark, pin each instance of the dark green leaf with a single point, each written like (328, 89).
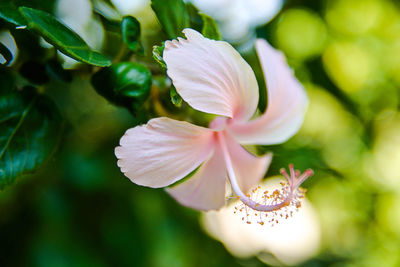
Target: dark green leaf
(7, 82)
(196, 22)
(30, 128)
(210, 28)
(110, 25)
(158, 55)
(62, 37)
(10, 13)
(109, 16)
(45, 5)
(172, 15)
(130, 29)
(125, 84)
(6, 54)
(176, 99)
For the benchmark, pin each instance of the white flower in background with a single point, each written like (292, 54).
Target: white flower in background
(130, 7)
(238, 19)
(8, 41)
(78, 15)
(142, 11)
(291, 240)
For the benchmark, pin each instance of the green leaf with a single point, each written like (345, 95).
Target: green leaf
(173, 16)
(7, 82)
(10, 13)
(130, 29)
(30, 129)
(125, 84)
(210, 28)
(176, 99)
(158, 55)
(62, 37)
(110, 25)
(6, 54)
(109, 16)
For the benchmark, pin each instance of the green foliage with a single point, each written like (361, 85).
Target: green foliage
(173, 16)
(176, 99)
(30, 130)
(130, 29)
(125, 84)
(62, 37)
(45, 5)
(210, 28)
(158, 55)
(6, 54)
(10, 13)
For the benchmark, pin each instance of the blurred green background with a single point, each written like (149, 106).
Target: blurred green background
(79, 209)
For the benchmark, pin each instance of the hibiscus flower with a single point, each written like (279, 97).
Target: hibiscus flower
(212, 77)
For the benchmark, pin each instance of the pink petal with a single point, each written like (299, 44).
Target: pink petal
(205, 190)
(248, 168)
(287, 102)
(211, 76)
(163, 151)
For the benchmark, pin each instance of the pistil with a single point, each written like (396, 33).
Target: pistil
(289, 195)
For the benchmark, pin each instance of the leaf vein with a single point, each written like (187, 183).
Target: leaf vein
(21, 120)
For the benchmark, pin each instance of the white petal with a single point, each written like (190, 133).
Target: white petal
(211, 76)
(287, 102)
(205, 190)
(163, 151)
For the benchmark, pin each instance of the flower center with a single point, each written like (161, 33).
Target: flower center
(280, 202)
(218, 123)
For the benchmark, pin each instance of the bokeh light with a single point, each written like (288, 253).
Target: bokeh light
(301, 33)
